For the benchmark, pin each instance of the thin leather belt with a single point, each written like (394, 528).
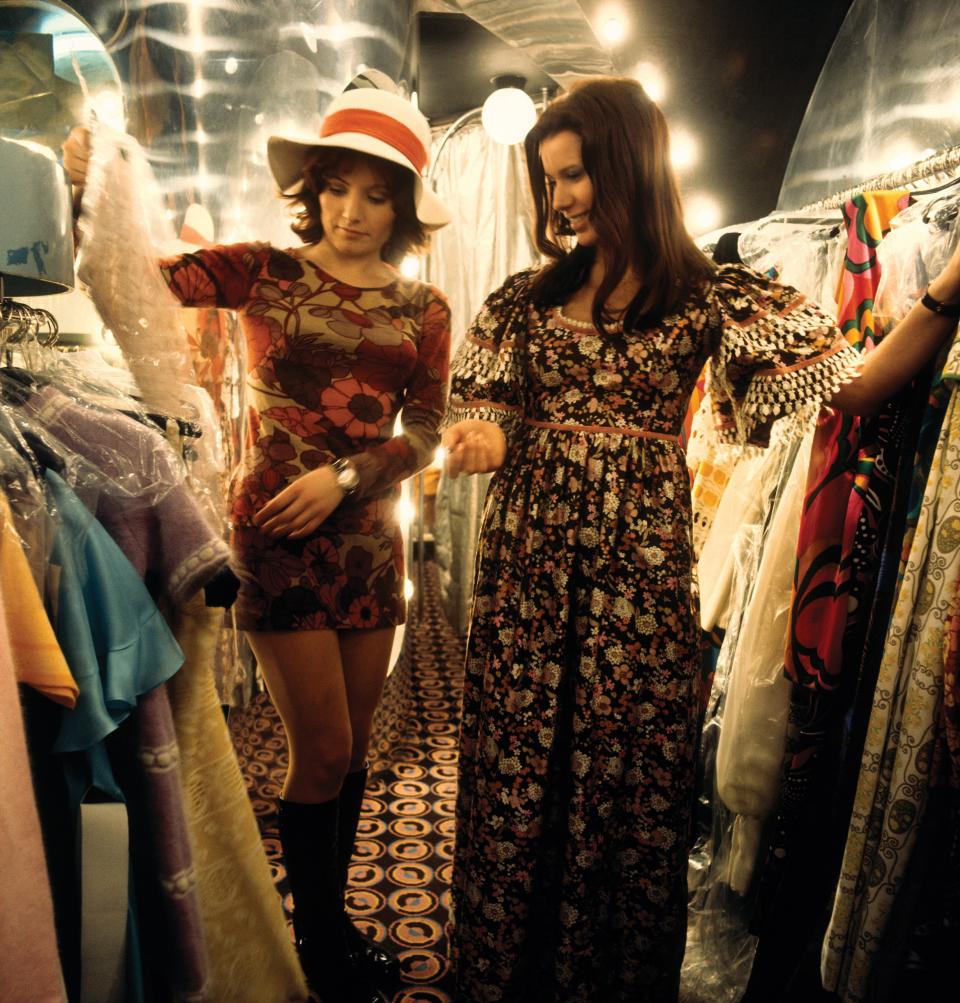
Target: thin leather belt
(638, 433)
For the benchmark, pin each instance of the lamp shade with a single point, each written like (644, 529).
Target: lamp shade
(508, 115)
(36, 225)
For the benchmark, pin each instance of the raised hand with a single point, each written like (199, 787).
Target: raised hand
(76, 155)
(474, 447)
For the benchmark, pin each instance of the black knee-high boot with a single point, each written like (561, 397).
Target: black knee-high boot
(308, 835)
(379, 964)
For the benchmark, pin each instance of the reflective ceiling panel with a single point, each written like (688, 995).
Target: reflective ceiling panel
(206, 81)
(889, 95)
(556, 35)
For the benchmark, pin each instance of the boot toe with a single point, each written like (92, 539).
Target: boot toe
(375, 960)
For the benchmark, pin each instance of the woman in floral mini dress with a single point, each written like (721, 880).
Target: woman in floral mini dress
(338, 342)
(579, 720)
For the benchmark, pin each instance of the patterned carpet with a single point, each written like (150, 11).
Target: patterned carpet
(400, 875)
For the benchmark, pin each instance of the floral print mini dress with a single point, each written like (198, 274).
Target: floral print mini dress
(329, 367)
(580, 706)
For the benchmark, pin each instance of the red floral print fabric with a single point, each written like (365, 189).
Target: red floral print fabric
(329, 368)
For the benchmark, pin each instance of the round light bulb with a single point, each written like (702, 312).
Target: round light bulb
(508, 115)
(652, 80)
(684, 149)
(410, 267)
(703, 214)
(613, 31)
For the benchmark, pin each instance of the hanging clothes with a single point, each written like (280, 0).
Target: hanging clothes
(846, 511)
(33, 649)
(29, 961)
(142, 496)
(251, 956)
(893, 789)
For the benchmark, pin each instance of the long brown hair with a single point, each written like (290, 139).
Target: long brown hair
(407, 235)
(636, 210)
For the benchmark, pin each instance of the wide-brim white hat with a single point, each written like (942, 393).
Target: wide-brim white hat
(370, 121)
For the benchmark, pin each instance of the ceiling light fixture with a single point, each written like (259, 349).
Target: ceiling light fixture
(703, 214)
(684, 149)
(508, 113)
(613, 31)
(652, 80)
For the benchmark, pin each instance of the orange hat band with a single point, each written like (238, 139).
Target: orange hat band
(379, 126)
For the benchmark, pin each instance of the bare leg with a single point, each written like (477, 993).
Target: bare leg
(364, 655)
(304, 674)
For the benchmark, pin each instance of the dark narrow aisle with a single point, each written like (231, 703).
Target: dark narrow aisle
(400, 876)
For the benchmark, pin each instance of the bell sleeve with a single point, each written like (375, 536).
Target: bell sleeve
(776, 354)
(487, 379)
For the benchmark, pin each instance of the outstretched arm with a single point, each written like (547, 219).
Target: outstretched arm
(904, 351)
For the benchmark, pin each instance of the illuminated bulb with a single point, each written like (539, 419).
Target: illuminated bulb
(508, 115)
(230, 66)
(407, 588)
(684, 149)
(410, 266)
(258, 118)
(652, 80)
(613, 31)
(703, 214)
(199, 87)
(405, 512)
(201, 136)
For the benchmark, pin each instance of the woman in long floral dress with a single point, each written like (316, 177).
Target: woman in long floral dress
(579, 717)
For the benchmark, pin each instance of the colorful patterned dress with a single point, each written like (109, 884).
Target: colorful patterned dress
(580, 702)
(329, 366)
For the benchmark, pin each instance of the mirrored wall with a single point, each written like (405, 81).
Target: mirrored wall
(200, 83)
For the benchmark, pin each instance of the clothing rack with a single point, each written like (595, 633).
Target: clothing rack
(938, 166)
(19, 322)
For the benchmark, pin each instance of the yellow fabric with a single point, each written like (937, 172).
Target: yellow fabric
(709, 483)
(251, 955)
(37, 658)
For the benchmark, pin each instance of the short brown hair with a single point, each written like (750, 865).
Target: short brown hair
(636, 208)
(408, 234)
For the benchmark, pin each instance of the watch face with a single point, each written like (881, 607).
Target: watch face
(347, 477)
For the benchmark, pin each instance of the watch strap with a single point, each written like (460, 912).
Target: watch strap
(944, 309)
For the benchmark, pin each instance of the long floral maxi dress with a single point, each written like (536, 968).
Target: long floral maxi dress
(578, 733)
(329, 366)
